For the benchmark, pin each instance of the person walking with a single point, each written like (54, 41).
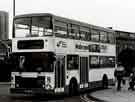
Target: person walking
(119, 74)
(132, 81)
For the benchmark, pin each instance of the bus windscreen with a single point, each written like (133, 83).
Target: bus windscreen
(32, 26)
(34, 62)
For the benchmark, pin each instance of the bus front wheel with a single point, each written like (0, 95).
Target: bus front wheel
(73, 87)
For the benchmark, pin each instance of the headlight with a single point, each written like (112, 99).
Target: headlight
(41, 81)
(12, 85)
(48, 83)
(16, 85)
(43, 86)
(48, 79)
(48, 86)
(12, 78)
(12, 81)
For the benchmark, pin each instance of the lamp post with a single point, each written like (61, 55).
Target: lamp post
(13, 17)
(13, 8)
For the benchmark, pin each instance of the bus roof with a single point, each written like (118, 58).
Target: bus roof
(66, 20)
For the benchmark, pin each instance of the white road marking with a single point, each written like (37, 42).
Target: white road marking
(85, 98)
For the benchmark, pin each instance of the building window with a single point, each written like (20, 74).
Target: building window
(124, 34)
(132, 35)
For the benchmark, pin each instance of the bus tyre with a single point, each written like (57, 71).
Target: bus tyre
(73, 88)
(105, 82)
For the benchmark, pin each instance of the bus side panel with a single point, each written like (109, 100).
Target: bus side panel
(96, 76)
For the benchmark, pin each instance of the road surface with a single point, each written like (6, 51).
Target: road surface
(5, 96)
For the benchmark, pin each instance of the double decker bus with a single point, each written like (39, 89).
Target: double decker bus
(53, 55)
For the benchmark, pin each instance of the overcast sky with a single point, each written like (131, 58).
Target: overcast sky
(119, 14)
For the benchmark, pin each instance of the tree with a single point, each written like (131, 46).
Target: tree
(127, 58)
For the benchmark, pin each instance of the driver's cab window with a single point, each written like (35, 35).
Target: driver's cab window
(72, 62)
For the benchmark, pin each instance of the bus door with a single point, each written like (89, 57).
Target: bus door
(60, 73)
(84, 72)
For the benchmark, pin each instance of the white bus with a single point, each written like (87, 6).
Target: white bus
(53, 55)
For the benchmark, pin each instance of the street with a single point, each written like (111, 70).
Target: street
(5, 96)
(107, 95)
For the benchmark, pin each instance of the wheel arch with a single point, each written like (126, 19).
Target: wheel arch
(73, 86)
(74, 80)
(104, 77)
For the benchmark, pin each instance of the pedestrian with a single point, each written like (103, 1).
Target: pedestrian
(119, 74)
(132, 81)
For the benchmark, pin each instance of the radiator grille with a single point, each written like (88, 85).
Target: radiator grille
(29, 82)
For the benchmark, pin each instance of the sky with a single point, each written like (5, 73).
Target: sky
(119, 14)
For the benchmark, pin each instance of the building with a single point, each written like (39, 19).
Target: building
(4, 25)
(124, 40)
(5, 46)
(125, 49)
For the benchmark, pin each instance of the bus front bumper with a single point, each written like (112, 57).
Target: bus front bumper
(30, 91)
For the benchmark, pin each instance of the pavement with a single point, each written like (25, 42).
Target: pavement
(5, 83)
(4, 88)
(112, 95)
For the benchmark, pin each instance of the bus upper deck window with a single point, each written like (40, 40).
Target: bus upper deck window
(33, 26)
